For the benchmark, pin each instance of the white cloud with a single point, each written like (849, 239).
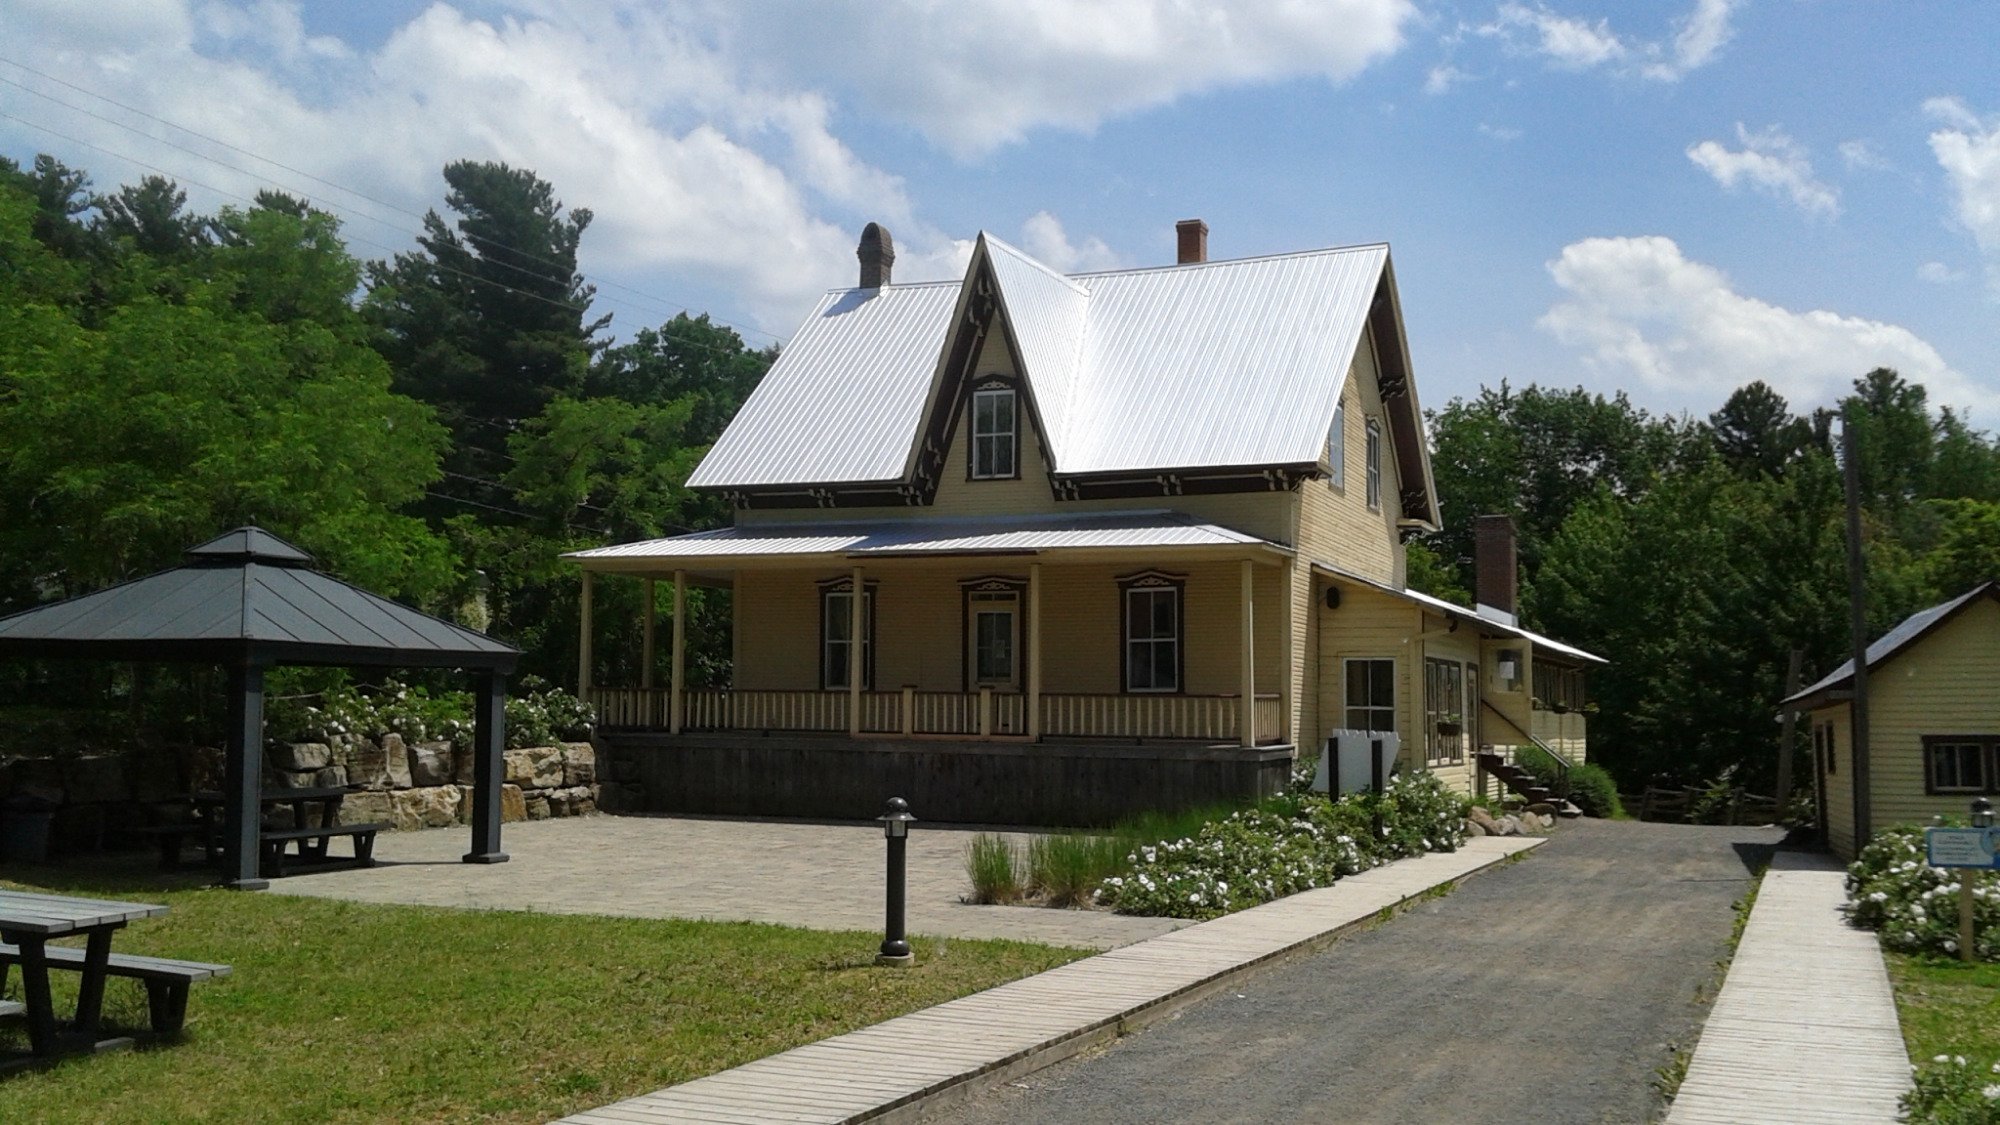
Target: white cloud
(1044, 238)
(1860, 155)
(1771, 162)
(1577, 43)
(1500, 133)
(1937, 273)
(1968, 149)
(1442, 78)
(976, 74)
(1638, 309)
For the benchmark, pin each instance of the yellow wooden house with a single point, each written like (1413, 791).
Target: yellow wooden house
(1040, 548)
(1933, 688)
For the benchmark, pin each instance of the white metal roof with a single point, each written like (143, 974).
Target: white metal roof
(1452, 609)
(1207, 365)
(936, 536)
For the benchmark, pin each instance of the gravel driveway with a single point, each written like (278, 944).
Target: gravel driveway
(1547, 991)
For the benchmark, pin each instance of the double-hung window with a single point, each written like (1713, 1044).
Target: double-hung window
(995, 434)
(836, 637)
(1961, 763)
(1371, 695)
(1374, 465)
(1444, 711)
(1152, 633)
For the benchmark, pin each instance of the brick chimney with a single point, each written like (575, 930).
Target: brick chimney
(1193, 234)
(878, 256)
(1495, 568)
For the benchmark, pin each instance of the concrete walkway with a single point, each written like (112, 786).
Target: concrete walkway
(1805, 1028)
(907, 1065)
(795, 873)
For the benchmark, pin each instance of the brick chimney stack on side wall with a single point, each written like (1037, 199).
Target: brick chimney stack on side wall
(1495, 567)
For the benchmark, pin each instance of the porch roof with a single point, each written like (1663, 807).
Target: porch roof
(1451, 609)
(894, 538)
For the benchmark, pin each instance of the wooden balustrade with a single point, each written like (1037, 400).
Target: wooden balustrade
(975, 714)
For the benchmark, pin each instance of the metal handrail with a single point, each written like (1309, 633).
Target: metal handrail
(1563, 763)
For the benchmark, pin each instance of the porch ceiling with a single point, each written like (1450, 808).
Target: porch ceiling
(1076, 536)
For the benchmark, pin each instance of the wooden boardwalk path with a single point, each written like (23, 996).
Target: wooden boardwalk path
(887, 1071)
(1805, 1028)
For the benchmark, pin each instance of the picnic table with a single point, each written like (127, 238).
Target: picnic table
(311, 834)
(27, 922)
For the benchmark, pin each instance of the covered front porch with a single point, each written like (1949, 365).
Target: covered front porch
(1138, 628)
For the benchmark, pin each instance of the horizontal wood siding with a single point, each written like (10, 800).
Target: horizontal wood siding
(1840, 784)
(1335, 524)
(1368, 625)
(1948, 683)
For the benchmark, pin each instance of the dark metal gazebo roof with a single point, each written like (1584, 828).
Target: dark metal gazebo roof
(248, 596)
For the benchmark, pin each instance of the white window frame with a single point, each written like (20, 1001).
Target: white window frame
(1374, 467)
(994, 440)
(835, 606)
(1150, 589)
(1348, 707)
(1336, 448)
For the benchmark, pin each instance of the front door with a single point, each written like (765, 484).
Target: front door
(992, 638)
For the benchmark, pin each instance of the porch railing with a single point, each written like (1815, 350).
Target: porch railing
(977, 714)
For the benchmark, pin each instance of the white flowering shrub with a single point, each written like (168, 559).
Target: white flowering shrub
(538, 716)
(1913, 906)
(1950, 1090)
(1290, 843)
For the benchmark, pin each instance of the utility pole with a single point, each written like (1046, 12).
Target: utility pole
(1857, 623)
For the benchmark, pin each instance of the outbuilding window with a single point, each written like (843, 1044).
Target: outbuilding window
(995, 434)
(1961, 763)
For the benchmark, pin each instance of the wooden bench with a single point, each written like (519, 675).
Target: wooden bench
(313, 845)
(166, 980)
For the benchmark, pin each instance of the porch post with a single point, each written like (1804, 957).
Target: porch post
(489, 747)
(1034, 701)
(1249, 663)
(677, 707)
(243, 772)
(648, 627)
(583, 655)
(855, 622)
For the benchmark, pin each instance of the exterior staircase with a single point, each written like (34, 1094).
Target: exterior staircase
(1524, 784)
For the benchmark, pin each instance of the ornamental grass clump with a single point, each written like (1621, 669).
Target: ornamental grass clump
(992, 867)
(1290, 843)
(1067, 869)
(1912, 906)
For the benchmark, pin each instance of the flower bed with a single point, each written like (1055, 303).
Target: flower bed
(1288, 844)
(1912, 906)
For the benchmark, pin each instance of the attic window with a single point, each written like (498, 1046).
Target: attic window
(994, 434)
(1374, 465)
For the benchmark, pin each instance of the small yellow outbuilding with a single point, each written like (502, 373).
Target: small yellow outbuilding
(1933, 722)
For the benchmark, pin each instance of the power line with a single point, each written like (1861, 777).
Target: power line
(664, 303)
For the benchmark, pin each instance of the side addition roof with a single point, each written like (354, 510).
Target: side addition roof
(247, 595)
(1453, 610)
(1206, 366)
(1906, 634)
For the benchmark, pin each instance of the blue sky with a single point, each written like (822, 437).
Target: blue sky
(1669, 199)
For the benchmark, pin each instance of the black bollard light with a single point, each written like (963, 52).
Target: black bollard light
(896, 829)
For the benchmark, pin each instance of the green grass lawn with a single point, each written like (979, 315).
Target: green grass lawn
(1947, 1007)
(349, 1012)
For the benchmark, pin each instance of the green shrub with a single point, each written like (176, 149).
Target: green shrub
(1592, 789)
(1541, 764)
(1289, 843)
(1913, 906)
(1067, 868)
(990, 865)
(1949, 1090)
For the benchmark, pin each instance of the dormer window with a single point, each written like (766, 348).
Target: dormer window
(995, 434)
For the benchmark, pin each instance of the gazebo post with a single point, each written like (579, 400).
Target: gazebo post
(489, 737)
(242, 798)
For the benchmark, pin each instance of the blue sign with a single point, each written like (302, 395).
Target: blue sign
(1962, 847)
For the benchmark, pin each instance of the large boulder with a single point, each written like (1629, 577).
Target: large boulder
(537, 805)
(513, 806)
(434, 806)
(1484, 820)
(535, 767)
(334, 776)
(431, 764)
(579, 764)
(396, 759)
(367, 807)
(301, 756)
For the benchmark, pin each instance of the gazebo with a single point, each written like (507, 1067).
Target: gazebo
(249, 601)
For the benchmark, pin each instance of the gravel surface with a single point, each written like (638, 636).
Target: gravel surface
(1546, 991)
